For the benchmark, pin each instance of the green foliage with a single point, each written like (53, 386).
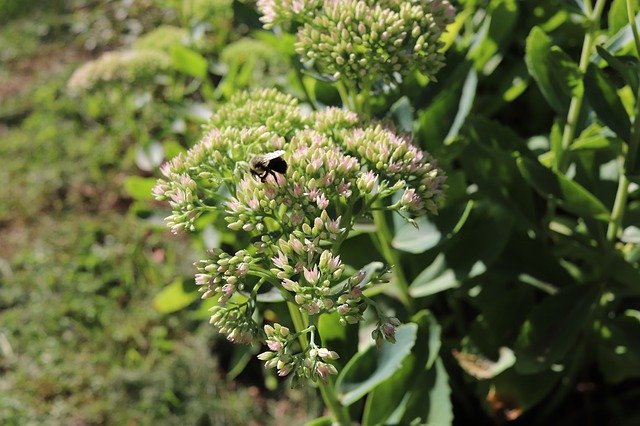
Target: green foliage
(519, 300)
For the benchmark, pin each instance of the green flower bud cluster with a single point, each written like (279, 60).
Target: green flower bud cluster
(385, 330)
(278, 112)
(236, 323)
(365, 41)
(126, 67)
(310, 363)
(337, 169)
(162, 38)
(222, 273)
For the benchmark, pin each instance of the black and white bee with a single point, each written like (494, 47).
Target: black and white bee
(264, 165)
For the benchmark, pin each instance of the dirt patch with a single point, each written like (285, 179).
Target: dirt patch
(49, 60)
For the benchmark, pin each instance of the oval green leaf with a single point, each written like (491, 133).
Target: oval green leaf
(571, 195)
(368, 369)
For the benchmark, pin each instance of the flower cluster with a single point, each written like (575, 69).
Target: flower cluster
(236, 322)
(310, 363)
(162, 38)
(338, 169)
(364, 41)
(278, 112)
(126, 67)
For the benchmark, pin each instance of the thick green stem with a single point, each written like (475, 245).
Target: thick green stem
(339, 411)
(619, 207)
(575, 107)
(384, 237)
(345, 96)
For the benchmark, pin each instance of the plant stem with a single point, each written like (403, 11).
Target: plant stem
(340, 412)
(576, 101)
(347, 101)
(305, 89)
(383, 235)
(628, 161)
(632, 23)
(619, 207)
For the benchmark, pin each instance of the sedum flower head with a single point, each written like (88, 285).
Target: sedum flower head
(278, 112)
(338, 167)
(162, 38)
(365, 42)
(127, 67)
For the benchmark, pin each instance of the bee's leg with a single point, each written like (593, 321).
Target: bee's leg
(263, 177)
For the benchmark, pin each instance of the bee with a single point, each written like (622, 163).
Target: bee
(261, 166)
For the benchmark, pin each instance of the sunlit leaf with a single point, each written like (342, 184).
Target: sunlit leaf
(139, 188)
(419, 240)
(368, 369)
(177, 295)
(189, 61)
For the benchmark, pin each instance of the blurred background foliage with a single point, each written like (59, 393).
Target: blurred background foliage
(99, 319)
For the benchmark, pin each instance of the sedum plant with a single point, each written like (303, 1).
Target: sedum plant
(127, 67)
(335, 171)
(363, 42)
(340, 169)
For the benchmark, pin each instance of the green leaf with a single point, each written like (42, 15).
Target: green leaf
(474, 248)
(626, 274)
(618, 352)
(440, 406)
(391, 397)
(617, 16)
(368, 369)
(429, 402)
(628, 67)
(321, 421)
(402, 112)
(574, 5)
(172, 148)
(591, 139)
(620, 41)
(338, 337)
(435, 278)
(571, 195)
(189, 62)
(501, 18)
(435, 122)
(552, 328)
(139, 188)
(240, 357)
(603, 98)
(412, 240)
(488, 162)
(557, 75)
(466, 102)
(177, 295)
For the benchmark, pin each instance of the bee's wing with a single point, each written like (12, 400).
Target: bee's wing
(271, 155)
